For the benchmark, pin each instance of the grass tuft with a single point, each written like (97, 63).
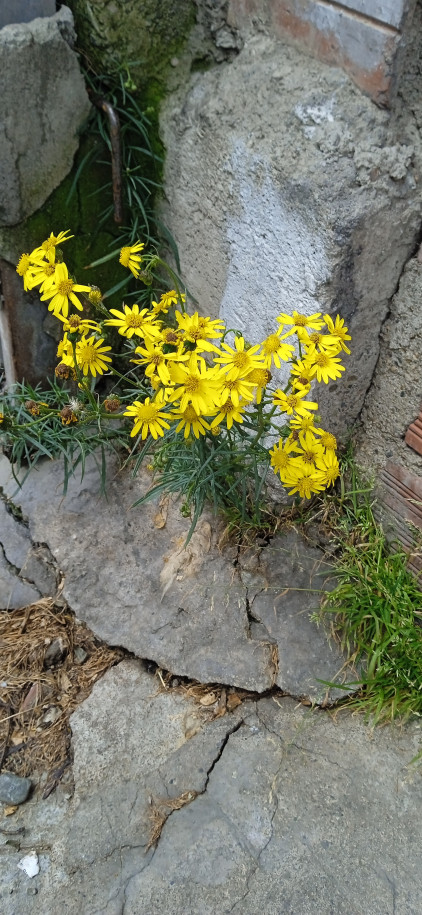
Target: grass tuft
(376, 606)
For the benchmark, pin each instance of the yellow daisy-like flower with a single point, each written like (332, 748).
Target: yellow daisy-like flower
(90, 355)
(65, 351)
(338, 331)
(156, 361)
(293, 402)
(200, 331)
(299, 321)
(239, 361)
(190, 420)
(259, 378)
(74, 324)
(327, 439)
(302, 373)
(323, 342)
(25, 270)
(328, 465)
(327, 367)
(133, 321)
(303, 479)
(198, 385)
(61, 289)
(130, 258)
(230, 413)
(303, 422)
(167, 300)
(283, 456)
(274, 350)
(148, 417)
(311, 447)
(47, 248)
(43, 274)
(236, 389)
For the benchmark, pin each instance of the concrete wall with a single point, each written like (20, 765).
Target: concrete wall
(364, 37)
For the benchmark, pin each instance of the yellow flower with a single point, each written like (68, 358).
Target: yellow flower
(25, 270)
(74, 324)
(190, 420)
(200, 331)
(299, 321)
(239, 361)
(303, 479)
(60, 290)
(65, 351)
(236, 389)
(327, 440)
(311, 447)
(90, 355)
(302, 373)
(328, 465)
(294, 403)
(304, 422)
(148, 417)
(327, 367)
(259, 378)
(275, 350)
(47, 248)
(198, 385)
(230, 412)
(282, 457)
(130, 258)
(43, 275)
(167, 300)
(156, 361)
(132, 321)
(338, 331)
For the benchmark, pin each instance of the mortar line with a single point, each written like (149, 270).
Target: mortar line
(364, 18)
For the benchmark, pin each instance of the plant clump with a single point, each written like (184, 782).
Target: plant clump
(196, 395)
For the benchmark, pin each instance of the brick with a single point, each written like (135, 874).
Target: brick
(392, 12)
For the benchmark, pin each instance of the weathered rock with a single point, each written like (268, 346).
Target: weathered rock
(31, 563)
(309, 200)
(55, 652)
(14, 592)
(289, 579)
(44, 104)
(184, 608)
(13, 788)
(394, 398)
(295, 812)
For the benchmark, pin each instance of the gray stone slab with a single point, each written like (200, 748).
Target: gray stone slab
(43, 73)
(31, 562)
(130, 578)
(14, 592)
(286, 587)
(296, 812)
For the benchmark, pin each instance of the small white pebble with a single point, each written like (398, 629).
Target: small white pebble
(29, 864)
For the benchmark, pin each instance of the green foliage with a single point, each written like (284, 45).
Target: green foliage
(376, 606)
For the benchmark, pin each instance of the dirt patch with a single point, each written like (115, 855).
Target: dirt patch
(49, 664)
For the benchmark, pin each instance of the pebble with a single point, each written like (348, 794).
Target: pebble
(55, 653)
(80, 654)
(14, 789)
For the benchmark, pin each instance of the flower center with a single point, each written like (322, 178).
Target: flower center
(328, 441)
(240, 360)
(192, 384)
(65, 287)
(87, 352)
(322, 360)
(292, 401)
(147, 412)
(300, 320)
(189, 414)
(271, 344)
(133, 320)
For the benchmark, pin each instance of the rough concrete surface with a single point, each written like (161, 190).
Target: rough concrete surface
(44, 104)
(395, 396)
(287, 189)
(288, 810)
(202, 611)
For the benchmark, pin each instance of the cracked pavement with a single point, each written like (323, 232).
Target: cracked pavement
(274, 807)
